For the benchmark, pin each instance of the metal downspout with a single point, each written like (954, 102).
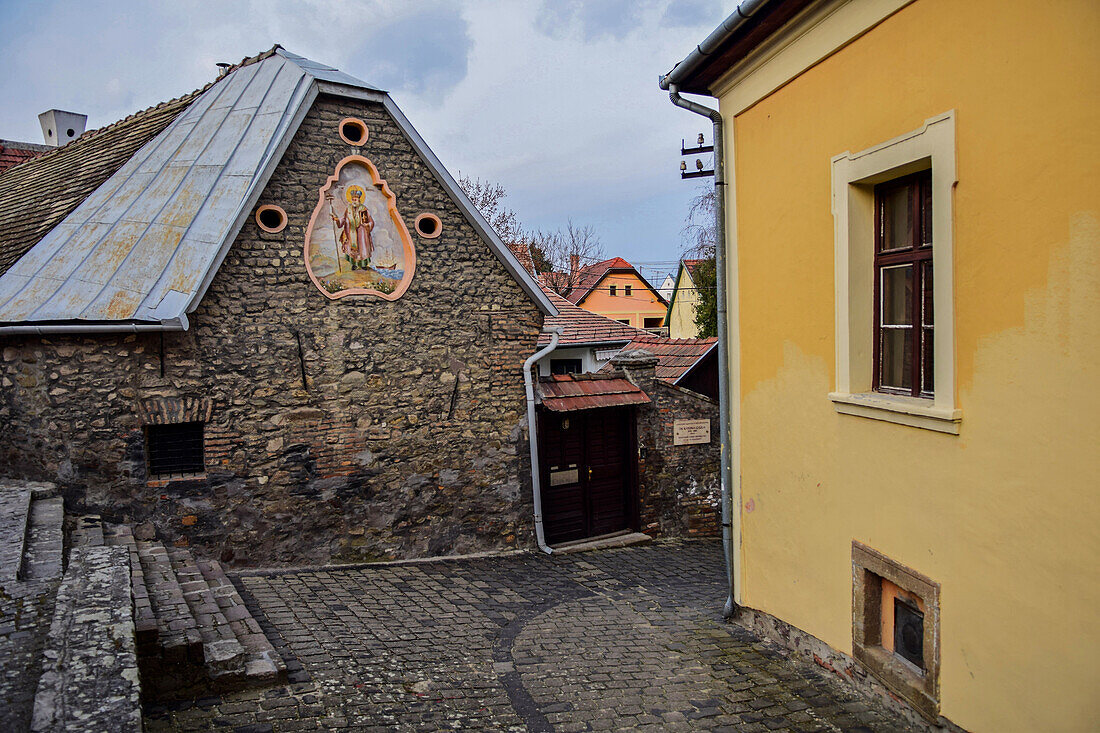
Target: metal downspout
(723, 339)
(528, 382)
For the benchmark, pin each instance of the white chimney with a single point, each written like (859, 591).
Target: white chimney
(59, 128)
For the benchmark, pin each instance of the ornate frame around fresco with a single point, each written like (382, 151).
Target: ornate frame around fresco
(319, 214)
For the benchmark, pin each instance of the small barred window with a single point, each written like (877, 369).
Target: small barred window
(175, 449)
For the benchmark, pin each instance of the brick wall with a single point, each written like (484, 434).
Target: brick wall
(679, 485)
(406, 436)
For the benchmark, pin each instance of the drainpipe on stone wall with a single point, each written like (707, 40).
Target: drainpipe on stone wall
(723, 340)
(528, 382)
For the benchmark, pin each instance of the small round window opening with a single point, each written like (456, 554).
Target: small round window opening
(353, 131)
(271, 219)
(428, 226)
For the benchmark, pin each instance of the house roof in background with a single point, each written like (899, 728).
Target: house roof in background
(585, 327)
(13, 153)
(568, 392)
(690, 266)
(36, 196)
(590, 276)
(142, 239)
(675, 357)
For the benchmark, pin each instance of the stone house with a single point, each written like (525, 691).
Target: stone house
(264, 318)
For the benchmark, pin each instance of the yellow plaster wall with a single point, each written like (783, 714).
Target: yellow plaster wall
(681, 320)
(641, 303)
(1006, 515)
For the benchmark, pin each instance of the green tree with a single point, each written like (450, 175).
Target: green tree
(700, 238)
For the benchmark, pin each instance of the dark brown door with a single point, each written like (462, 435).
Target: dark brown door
(587, 479)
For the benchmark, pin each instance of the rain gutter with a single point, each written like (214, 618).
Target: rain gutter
(174, 324)
(691, 63)
(669, 82)
(528, 382)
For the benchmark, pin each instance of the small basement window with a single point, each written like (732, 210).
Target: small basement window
(353, 131)
(175, 449)
(895, 627)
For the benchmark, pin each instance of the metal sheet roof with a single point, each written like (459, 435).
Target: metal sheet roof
(141, 250)
(569, 392)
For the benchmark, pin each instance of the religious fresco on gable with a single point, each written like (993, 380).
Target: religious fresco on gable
(357, 243)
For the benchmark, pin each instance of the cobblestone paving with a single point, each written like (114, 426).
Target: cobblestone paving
(627, 639)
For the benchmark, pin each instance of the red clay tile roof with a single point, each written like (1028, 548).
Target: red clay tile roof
(674, 356)
(690, 266)
(568, 392)
(13, 153)
(585, 327)
(591, 275)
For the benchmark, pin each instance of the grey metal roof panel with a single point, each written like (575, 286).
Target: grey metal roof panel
(145, 245)
(322, 72)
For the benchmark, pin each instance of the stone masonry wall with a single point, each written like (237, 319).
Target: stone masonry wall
(352, 429)
(679, 485)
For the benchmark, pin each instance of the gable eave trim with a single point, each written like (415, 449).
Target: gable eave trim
(511, 264)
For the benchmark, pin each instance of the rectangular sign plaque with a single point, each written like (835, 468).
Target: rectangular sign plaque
(690, 432)
(564, 478)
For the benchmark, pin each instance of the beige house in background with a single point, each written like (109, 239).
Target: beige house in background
(681, 303)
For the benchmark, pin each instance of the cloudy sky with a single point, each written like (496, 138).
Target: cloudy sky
(557, 100)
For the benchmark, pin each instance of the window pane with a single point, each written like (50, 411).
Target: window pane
(926, 295)
(926, 210)
(896, 292)
(897, 358)
(896, 214)
(928, 371)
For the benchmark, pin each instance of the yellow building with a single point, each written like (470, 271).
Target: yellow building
(613, 288)
(681, 304)
(913, 235)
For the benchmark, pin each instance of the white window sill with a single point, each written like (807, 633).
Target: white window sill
(911, 411)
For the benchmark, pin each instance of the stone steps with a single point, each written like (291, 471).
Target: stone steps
(145, 622)
(15, 509)
(222, 654)
(45, 542)
(178, 637)
(263, 663)
(31, 535)
(194, 633)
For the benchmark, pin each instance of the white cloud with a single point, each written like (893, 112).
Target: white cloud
(558, 101)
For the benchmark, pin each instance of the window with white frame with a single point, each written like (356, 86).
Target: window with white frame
(893, 210)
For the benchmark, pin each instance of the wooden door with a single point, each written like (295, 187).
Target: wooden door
(587, 474)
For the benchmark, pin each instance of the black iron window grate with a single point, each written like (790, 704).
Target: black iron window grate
(175, 449)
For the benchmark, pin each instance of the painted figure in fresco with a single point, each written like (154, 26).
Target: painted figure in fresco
(356, 225)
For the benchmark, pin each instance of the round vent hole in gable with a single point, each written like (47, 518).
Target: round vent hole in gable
(271, 218)
(428, 226)
(353, 131)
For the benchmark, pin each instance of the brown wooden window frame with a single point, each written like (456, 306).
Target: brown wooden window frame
(915, 253)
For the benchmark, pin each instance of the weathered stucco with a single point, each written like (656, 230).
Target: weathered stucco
(351, 429)
(1003, 516)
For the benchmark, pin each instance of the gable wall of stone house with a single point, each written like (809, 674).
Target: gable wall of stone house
(355, 428)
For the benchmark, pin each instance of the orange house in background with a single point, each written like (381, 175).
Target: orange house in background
(613, 288)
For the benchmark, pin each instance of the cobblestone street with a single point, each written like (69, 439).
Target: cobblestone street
(625, 639)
